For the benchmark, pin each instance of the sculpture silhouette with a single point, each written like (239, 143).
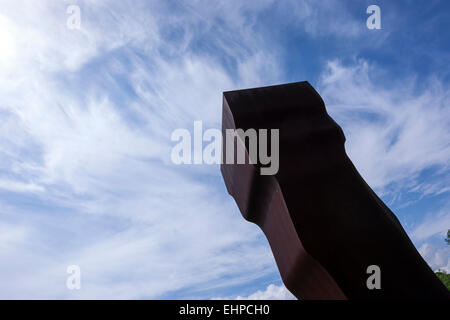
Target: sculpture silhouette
(323, 222)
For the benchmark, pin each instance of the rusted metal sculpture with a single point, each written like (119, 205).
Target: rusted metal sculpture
(324, 224)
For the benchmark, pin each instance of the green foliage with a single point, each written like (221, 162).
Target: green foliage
(448, 237)
(445, 278)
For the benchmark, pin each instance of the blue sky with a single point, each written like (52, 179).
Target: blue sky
(87, 114)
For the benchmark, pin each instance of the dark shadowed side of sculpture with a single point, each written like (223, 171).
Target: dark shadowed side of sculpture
(323, 222)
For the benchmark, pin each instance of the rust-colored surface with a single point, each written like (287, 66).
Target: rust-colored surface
(324, 224)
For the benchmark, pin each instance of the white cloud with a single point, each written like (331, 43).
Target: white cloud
(272, 292)
(16, 186)
(324, 18)
(11, 236)
(437, 258)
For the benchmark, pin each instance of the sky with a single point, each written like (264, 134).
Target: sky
(86, 116)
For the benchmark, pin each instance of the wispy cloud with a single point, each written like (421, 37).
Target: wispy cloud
(398, 138)
(433, 224)
(393, 133)
(88, 142)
